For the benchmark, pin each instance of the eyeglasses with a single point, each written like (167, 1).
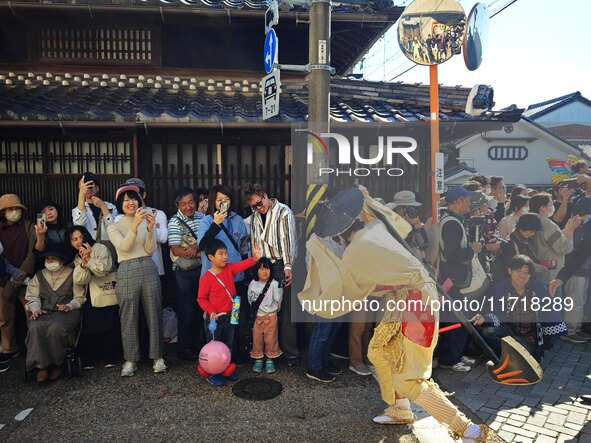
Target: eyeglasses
(258, 204)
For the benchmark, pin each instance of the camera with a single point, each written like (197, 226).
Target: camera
(411, 211)
(474, 221)
(475, 228)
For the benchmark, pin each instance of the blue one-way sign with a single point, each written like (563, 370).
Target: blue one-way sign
(271, 50)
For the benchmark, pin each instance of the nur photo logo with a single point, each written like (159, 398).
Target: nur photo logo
(349, 154)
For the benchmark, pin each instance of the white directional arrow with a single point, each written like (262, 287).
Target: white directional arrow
(270, 50)
(269, 55)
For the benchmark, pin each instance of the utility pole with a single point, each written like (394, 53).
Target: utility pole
(318, 102)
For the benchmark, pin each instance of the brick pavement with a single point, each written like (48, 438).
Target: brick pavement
(547, 412)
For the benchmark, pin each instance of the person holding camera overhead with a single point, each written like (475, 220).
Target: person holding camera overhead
(92, 212)
(134, 239)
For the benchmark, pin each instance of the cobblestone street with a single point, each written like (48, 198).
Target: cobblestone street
(547, 412)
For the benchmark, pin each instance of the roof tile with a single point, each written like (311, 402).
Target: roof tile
(112, 97)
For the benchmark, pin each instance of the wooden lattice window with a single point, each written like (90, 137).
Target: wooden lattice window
(100, 157)
(92, 45)
(37, 168)
(21, 157)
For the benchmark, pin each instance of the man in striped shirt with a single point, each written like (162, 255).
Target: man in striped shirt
(272, 225)
(187, 269)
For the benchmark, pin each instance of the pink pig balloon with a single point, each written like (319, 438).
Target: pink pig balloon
(214, 357)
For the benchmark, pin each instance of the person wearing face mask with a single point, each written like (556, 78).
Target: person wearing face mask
(16, 234)
(519, 205)
(54, 302)
(551, 244)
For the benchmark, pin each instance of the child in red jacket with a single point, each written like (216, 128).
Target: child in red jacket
(216, 289)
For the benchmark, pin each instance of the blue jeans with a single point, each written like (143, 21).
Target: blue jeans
(190, 315)
(451, 345)
(224, 331)
(288, 334)
(321, 340)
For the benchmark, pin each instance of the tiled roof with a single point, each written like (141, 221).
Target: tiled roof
(537, 110)
(339, 6)
(457, 169)
(586, 149)
(114, 98)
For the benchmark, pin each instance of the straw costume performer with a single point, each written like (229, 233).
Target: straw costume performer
(374, 263)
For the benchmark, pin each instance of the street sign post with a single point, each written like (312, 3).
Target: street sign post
(270, 51)
(271, 88)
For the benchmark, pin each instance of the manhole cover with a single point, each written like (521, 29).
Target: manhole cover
(257, 389)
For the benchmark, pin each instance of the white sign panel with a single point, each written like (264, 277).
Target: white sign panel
(271, 16)
(271, 89)
(439, 173)
(322, 52)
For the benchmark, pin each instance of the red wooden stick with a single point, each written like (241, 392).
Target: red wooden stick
(451, 327)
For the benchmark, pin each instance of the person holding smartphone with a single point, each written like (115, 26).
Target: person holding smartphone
(222, 223)
(137, 279)
(92, 212)
(50, 227)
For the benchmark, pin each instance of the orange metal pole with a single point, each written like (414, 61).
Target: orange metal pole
(434, 125)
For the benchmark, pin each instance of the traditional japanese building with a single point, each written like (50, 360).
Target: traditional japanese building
(169, 91)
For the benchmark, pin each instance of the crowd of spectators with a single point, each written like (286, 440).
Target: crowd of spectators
(104, 263)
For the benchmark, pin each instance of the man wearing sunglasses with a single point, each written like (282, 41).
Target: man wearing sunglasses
(272, 225)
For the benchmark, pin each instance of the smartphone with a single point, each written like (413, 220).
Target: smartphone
(224, 206)
(41, 217)
(151, 211)
(282, 283)
(88, 177)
